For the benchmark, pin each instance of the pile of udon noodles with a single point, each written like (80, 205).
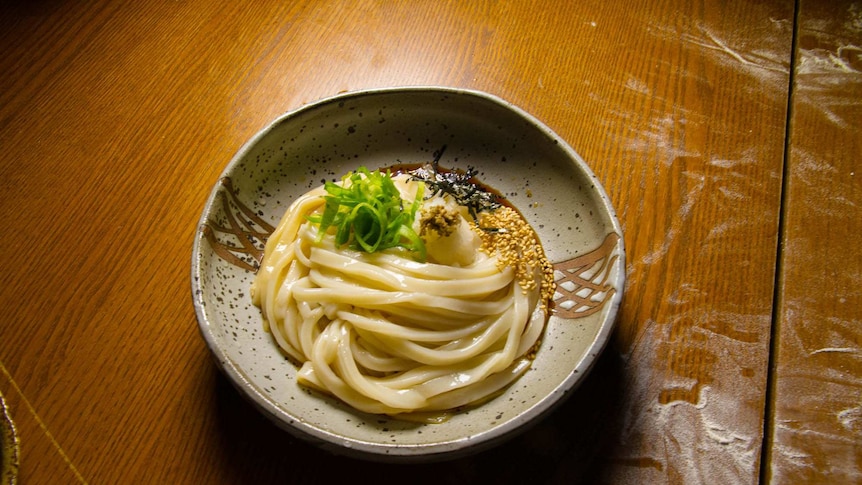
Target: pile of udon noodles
(391, 335)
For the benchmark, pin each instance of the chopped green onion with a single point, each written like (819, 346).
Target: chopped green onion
(366, 213)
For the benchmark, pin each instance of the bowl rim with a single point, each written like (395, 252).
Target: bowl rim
(9, 446)
(447, 449)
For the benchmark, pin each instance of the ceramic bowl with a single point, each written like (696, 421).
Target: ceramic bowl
(8, 446)
(515, 153)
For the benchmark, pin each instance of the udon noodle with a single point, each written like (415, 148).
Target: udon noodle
(390, 332)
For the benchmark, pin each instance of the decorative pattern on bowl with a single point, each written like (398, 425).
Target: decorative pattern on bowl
(583, 282)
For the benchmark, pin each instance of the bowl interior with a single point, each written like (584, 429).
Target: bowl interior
(514, 153)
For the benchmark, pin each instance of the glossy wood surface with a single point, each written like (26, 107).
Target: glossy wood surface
(117, 117)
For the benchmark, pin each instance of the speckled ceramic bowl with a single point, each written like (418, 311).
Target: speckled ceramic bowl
(514, 153)
(8, 447)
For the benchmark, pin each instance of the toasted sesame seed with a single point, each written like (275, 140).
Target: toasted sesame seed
(518, 247)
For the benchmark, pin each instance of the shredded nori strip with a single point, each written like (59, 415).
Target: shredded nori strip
(458, 185)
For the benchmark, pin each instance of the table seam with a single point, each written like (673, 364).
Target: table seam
(777, 295)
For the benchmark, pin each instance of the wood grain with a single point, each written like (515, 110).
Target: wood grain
(698, 173)
(117, 117)
(816, 419)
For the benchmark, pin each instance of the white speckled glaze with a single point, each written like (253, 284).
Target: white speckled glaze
(8, 447)
(514, 152)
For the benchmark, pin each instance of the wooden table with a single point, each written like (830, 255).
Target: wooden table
(727, 135)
